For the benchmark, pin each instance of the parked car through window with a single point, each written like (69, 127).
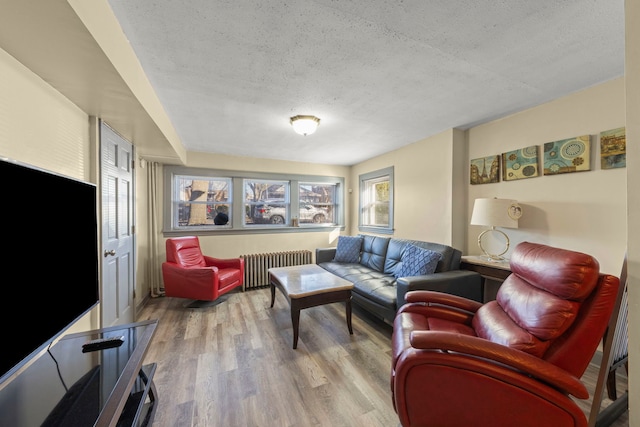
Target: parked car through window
(269, 213)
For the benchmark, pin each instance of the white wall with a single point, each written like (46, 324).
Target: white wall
(40, 127)
(632, 82)
(423, 190)
(583, 211)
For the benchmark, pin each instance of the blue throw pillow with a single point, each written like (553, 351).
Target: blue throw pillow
(348, 249)
(417, 261)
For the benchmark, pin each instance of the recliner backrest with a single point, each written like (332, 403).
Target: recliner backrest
(546, 302)
(185, 251)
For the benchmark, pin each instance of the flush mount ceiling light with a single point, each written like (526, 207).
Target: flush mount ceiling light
(304, 125)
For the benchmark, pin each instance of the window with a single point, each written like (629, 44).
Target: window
(266, 202)
(316, 202)
(198, 200)
(252, 201)
(376, 202)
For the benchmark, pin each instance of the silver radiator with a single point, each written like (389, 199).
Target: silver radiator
(256, 266)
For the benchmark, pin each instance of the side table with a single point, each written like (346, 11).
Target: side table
(493, 273)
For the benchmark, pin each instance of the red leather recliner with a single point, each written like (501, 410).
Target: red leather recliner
(514, 361)
(188, 273)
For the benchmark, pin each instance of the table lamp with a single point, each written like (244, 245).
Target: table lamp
(494, 212)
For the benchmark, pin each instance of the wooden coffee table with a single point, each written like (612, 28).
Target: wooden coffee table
(307, 286)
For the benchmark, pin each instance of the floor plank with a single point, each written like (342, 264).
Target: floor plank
(232, 365)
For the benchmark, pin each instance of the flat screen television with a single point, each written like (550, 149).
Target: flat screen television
(48, 259)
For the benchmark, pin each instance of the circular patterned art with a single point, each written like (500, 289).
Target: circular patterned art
(522, 163)
(530, 152)
(573, 149)
(555, 167)
(567, 155)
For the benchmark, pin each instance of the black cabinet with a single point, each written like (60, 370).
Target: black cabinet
(65, 386)
(492, 272)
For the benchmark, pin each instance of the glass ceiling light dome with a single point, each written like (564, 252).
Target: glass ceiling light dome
(304, 125)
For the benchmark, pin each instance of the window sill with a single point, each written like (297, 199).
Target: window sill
(225, 231)
(375, 230)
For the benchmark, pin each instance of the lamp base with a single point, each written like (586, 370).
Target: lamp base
(491, 258)
(494, 257)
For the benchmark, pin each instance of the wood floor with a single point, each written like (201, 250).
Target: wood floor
(233, 365)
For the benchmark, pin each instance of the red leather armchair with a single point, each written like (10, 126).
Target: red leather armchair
(187, 273)
(514, 361)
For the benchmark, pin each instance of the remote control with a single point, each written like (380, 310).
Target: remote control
(102, 343)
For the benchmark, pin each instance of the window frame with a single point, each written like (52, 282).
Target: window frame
(364, 183)
(175, 195)
(284, 203)
(237, 220)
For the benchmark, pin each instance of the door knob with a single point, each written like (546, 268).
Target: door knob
(111, 252)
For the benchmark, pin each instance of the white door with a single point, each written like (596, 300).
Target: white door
(118, 287)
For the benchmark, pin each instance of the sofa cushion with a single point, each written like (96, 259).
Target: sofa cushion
(374, 251)
(378, 288)
(348, 249)
(417, 262)
(395, 250)
(369, 284)
(450, 257)
(352, 272)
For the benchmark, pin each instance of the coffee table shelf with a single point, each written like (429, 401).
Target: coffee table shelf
(306, 286)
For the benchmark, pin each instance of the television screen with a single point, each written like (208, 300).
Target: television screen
(48, 258)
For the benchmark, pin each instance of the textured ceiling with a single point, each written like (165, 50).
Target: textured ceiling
(380, 74)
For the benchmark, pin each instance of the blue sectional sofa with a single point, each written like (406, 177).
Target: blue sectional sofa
(377, 286)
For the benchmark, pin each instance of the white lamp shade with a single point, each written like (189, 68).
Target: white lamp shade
(305, 125)
(496, 213)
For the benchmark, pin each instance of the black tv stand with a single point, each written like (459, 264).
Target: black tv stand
(68, 387)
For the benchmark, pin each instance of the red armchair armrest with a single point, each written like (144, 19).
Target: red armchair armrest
(496, 354)
(237, 263)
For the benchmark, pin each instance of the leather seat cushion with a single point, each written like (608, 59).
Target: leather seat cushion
(373, 285)
(381, 290)
(227, 276)
(407, 322)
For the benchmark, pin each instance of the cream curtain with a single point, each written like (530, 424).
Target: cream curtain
(154, 263)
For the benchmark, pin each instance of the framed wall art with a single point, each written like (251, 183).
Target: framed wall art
(485, 170)
(567, 155)
(520, 164)
(613, 148)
